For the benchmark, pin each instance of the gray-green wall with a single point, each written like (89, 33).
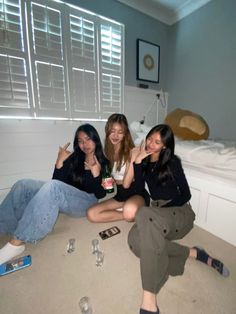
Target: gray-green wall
(202, 67)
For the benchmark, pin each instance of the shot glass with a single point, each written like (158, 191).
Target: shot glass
(99, 258)
(95, 246)
(85, 305)
(71, 246)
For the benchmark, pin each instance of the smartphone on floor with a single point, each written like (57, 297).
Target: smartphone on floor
(15, 265)
(106, 234)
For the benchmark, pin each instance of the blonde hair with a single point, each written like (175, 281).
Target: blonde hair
(126, 145)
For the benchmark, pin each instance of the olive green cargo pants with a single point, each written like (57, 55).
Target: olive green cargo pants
(151, 237)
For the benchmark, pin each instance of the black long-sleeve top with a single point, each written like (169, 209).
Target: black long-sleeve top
(175, 189)
(89, 183)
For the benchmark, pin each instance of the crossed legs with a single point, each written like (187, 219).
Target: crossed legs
(109, 210)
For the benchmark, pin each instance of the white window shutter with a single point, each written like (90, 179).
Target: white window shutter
(11, 25)
(13, 82)
(59, 61)
(82, 64)
(84, 97)
(111, 64)
(15, 93)
(47, 59)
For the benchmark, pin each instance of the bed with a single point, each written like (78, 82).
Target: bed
(210, 168)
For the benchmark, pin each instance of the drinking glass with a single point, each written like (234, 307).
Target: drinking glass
(95, 246)
(85, 305)
(71, 245)
(99, 258)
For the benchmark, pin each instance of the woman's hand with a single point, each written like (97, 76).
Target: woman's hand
(104, 184)
(134, 153)
(94, 166)
(63, 154)
(143, 153)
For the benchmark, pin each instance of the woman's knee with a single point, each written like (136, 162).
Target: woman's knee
(53, 186)
(132, 206)
(129, 212)
(22, 188)
(92, 214)
(27, 186)
(53, 183)
(22, 183)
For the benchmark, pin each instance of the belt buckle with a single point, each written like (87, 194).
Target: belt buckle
(155, 203)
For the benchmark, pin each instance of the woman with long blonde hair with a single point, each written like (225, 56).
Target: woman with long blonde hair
(120, 151)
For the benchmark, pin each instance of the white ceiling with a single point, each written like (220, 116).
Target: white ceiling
(166, 11)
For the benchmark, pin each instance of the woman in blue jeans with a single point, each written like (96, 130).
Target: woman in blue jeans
(31, 208)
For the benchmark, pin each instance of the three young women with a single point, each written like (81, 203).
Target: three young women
(170, 217)
(31, 208)
(120, 151)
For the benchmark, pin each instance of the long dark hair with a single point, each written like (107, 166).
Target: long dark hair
(126, 145)
(166, 155)
(77, 166)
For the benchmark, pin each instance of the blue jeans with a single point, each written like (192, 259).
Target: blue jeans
(31, 208)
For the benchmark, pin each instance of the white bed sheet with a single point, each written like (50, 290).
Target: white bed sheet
(209, 156)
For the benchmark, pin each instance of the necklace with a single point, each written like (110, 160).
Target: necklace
(154, 166)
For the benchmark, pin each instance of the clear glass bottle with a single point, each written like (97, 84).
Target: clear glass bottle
(107, 180)
(85, 306)
(99, 258)
(95, 246)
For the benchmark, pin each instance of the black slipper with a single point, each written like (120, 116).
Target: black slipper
(203, 256)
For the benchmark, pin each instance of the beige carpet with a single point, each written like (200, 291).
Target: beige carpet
(57, 280)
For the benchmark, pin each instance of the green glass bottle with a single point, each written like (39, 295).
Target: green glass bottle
(107, 180)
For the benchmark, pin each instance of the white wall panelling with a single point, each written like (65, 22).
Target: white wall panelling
(214, 203)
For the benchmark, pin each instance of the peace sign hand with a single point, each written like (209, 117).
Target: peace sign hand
(94, 166)
(63, 154)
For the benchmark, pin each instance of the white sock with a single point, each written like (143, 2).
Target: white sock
(10, 251)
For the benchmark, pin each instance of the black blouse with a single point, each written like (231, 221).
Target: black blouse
(89, 183)
(175, 189)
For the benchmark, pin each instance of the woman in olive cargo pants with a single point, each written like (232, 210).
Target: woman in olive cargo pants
(170, 217)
